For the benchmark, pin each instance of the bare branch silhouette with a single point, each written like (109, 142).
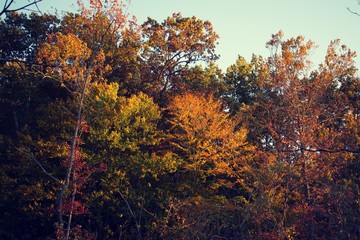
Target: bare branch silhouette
(7, 8)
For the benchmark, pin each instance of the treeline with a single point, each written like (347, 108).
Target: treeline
(110, 129)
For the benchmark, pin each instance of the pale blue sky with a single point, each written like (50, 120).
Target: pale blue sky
(245, 26)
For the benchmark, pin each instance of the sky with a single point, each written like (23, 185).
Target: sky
(244, 26)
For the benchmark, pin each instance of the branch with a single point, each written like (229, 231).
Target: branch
(31, 155)
(319, 149)
(4, 60)
(132, 214)
(77, 131)
(353, 12)
(7, 6)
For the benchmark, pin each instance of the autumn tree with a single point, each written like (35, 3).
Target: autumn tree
(76, 64)
(99, 25)
(121, 43)
(172, 46)
(215, 160)
(64, 58)
(110, 130)
(298, 121)
(123, 136)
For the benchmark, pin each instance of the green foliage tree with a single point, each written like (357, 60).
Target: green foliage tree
(241, 83)
(26, 198)
(21, 34)
(123, 133)
(200, 79)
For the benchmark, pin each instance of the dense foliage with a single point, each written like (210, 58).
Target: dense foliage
(110, 129)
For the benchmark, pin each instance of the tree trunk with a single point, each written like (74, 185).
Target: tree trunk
(307, 195)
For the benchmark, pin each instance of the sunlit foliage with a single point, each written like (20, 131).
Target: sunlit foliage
(114, 129)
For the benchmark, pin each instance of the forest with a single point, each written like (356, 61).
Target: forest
(114, 129)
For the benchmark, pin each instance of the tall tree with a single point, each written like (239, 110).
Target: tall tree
(22, 91)
(214, 170)
(121, 44)
(75, 64)
(298, 119)
(20, 35)
(124, 137)
(64, 57)
(172, 46)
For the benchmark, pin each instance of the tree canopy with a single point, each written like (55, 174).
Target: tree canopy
(114, 129)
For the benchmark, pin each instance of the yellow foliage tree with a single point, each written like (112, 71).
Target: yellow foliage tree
(214, 175)
(208, 140)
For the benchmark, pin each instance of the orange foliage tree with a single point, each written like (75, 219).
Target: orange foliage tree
(215, 162)
(299, 120)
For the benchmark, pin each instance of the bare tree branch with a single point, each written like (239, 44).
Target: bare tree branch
(8, 4)
(32, 156)
(132, 214)
(353, 11)
(319, 149)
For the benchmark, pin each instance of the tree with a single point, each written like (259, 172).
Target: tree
(65, 57)
(170, 47)
(99, 25)
(215, 164)
(298, 119)
(124, 137)
(120, 40)
(127, 65)
(199, 79)
(22, 91)
(113, 130)
(240, 81)
(68, 58)
(20, 36)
